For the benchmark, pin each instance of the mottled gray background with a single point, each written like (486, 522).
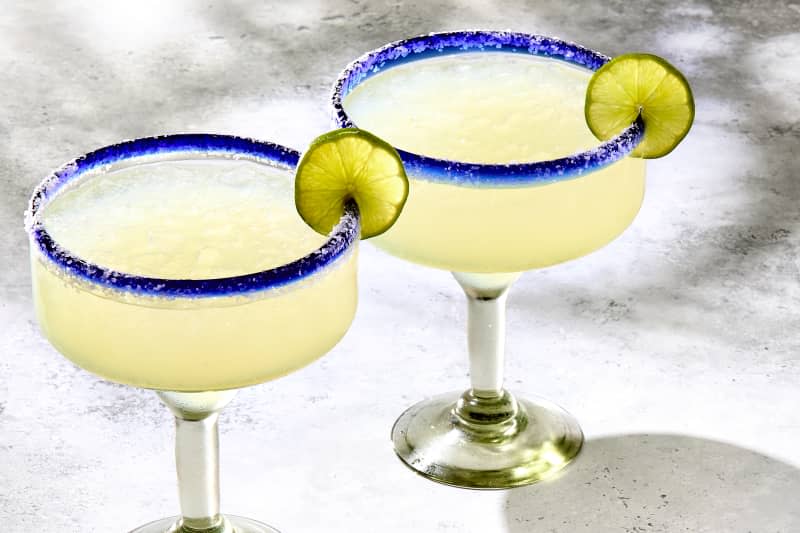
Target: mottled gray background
(676, 346)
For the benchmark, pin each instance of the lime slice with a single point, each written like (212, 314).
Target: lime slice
(350, 164)
(640, 83)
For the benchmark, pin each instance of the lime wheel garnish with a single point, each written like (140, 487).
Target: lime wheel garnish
(350, 165)
(640, 84)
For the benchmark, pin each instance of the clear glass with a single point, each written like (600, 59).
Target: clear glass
(485, 438)
(487, 223)
(193, 341)
(197, 461)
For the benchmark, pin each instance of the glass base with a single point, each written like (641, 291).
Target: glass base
(490, 442)
(233, 524)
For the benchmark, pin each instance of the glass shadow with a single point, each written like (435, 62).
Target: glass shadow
(661, 483)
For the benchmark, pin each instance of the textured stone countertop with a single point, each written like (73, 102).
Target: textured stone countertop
(676, 346)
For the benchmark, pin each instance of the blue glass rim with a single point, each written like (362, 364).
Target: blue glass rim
(194, 146)
(477, 174)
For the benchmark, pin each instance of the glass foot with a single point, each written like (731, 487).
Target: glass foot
(486, 442)
(233, 524)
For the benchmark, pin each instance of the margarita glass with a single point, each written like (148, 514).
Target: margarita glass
(505, 176)
(179, 264)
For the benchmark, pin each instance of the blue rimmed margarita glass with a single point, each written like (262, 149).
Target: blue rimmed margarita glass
(488, 222)
(193, 339)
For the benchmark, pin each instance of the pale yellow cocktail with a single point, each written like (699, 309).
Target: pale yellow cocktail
(187, 220)
(495, 108)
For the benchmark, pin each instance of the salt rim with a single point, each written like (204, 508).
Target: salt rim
(476, 174)
(340, 241)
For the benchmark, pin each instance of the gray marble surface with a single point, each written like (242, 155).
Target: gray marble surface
(676, 346)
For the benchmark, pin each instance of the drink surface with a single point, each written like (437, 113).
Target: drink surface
(495, 107)
(183, 220)
(491, 107)
(188, 220)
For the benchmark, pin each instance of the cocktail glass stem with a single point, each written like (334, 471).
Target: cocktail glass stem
(197, 458)
(486, 409)
(486, 328)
